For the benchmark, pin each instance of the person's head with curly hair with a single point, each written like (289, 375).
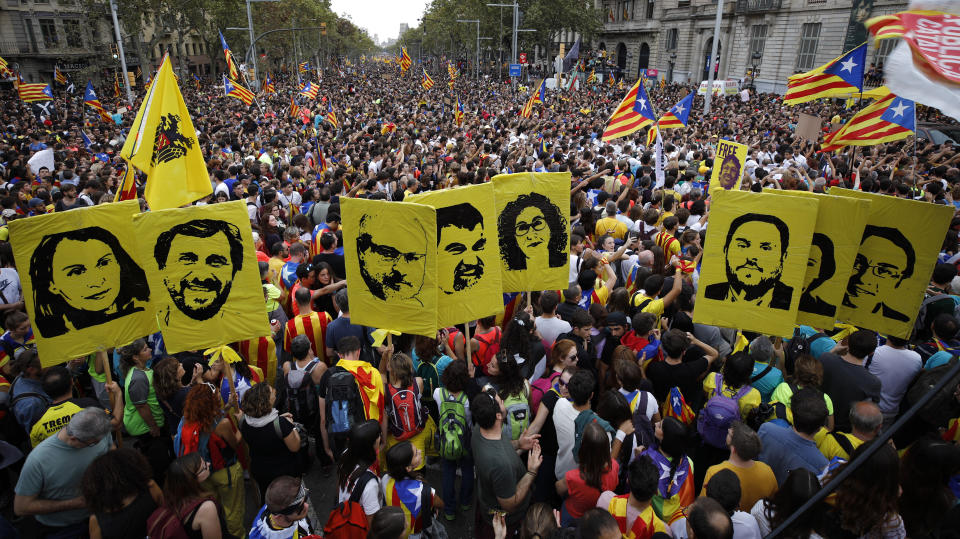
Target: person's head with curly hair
(202, 406)
(167, 375)
(113, 477)
(258, 400)
(868, 499)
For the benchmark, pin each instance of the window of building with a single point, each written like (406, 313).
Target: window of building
(758, 38)
(650, 5)
(48, 30)
(671, 39)
(884, 48)
(74, 33)
(809, 40)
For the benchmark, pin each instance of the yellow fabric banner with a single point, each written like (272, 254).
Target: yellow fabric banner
(754, 261)
(728, 166)
(468, 262)
(204, 271)
(83, 285)
(533, 229)
(163, 144)
(897, 253)
(390, 250)
(836, 238)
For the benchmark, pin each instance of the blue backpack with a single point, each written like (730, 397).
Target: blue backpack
(719, 414)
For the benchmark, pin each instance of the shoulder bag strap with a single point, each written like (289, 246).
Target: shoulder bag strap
(762, 373)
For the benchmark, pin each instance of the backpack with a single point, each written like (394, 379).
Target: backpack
(719, 413)
(453, 436)
(196, 441)
(406, 417)
(940, 409)
(799, 345)
(301, 394)
(583, 419)
(167, 523)
(348, 520)
(929, 309)
(344, 404)
(643, 429)
(518, 413)
(487, 349)
(539, 388)
(431, 378)
(635, 309)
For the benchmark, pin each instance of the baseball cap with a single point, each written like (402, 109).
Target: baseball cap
(617, 318)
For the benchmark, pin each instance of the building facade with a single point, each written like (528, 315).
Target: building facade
(761, 42)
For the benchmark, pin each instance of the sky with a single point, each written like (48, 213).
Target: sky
(381, 17)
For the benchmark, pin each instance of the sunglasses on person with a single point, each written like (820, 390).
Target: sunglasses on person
(296, 506)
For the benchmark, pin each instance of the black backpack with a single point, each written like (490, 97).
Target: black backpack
(943, 407)
(302, 398)
(344, 406)
(799, 345)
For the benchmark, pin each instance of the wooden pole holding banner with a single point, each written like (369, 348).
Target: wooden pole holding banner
(105, 365)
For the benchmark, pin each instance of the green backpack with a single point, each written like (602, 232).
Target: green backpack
(518, 413)
(453, 436)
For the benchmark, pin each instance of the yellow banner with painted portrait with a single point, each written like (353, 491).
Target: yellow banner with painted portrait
(203, 267)
(390, 251)
(728, 166)
(896, 256)
(533, 230)
(83, 285)
(836, 238)
(468, 262)
(754, 261)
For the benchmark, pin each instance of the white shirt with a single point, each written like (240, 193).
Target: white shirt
(564, 416)
(652, 407)
(10, 285)
(551, 327)
(757, 512)
(895, 368)
(371, 499)
(744, 527)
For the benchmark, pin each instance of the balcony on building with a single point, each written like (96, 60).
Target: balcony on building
(757, 6)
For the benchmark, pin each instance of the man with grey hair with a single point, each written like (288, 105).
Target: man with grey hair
(866, 419)
(766, 376)
(49, 485)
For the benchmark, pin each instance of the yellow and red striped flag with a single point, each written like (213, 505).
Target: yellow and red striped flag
(261, 353)
(890, 117)
(59, 75)
(116, 85)
(458, 113)
(233, 89)
(427, 82)
(310, 90)
(231, 63)
(332, 116)
(839, 76)
(127, 188)
(538, 96)
(633, 113)
(314, 326)
(592, 78)
(405, 61)
(32, 92)
(294, 108)
(268, 86)
(90, 99)
(5, 70)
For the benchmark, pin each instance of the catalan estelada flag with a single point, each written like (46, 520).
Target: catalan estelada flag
(890, 117)
(127, 188)
(332, 116)
(633, 113)
(163, 144)
(294, 108)
(196, 79)
(231, 64)
(458, 113)
(407, 494)
(510, 302)
(841, 75)
(304, 67)
(677, 116)
(310, 90)
(268, 86)
(405, 61)
(33, 92)
(537, 96)
(427, 82)
(58, 75)
(232, 89)
(90, 99)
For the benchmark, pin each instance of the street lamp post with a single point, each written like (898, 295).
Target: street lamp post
(754, 67)
(123, 58)
(477, 21)
(713, 57)
(253, 57)
(479, 39)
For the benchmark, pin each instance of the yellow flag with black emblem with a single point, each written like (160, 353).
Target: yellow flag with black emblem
(896, 256)
(468, 261)
(836, 238)
(83, 285)
(202, 266)
(533, 230)
(390, 251)
(163, 144)
(728, 166)
(754, 261)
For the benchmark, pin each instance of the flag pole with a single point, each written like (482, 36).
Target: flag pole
(247, 84)
(914, 145)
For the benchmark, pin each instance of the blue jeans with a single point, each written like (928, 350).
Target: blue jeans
(450, 481)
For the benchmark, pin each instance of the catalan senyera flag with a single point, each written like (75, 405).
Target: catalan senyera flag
(59, 75)
(458, 113)
(231, 64)
(536, 97)
(841, 75)
(268, 86)
(5, 70)
(405, 61)
(310, 90)
(233, 89)
(163, 144)
(262, 353)
(33, 92)
(888, 118)
(127, 188)
(427, 82)
(314, 326)
(633, 113)
(332, 116)
(90, 99)
(116, 85)
(592, 78)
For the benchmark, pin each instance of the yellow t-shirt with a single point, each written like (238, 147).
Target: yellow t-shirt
(756, 482)
(830, 447)
(612, 226)
(748, 402)
(654, 306)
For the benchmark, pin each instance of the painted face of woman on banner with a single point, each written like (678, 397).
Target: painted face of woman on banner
(532, 228)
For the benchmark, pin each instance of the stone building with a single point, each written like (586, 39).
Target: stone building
(777, 37)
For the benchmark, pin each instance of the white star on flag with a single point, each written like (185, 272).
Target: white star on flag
(848, 65)
(643, 103)
(678, 109)
(898, 110)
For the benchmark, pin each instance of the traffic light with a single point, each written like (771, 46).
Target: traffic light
(114, 51)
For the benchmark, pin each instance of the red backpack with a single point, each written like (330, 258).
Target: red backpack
(406, 417)
(167, 523)
(348, 520)
(487, 348)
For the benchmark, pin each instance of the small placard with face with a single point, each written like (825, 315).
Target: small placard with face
(728, 166)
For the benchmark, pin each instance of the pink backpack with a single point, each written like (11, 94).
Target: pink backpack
(539, 388)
